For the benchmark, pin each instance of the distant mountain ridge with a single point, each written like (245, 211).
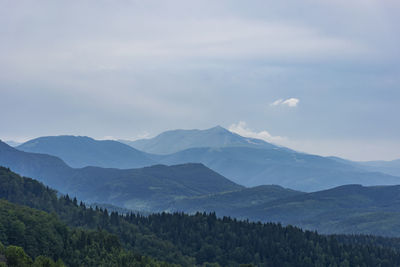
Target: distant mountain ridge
(12, 143)
(82, 151)
(252, 166)
(146, 189)
(348, 209)
(389, 167)
(246, 161)
(177, 140)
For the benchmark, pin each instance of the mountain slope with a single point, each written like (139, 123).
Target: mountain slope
(389, 167)
(226, 203)
(81, 151)
(13, 143)
(349, 209)
(200, 239)
(251, 166)
(345, 209)
(45, 168)
(145, 189)
(173, 141)
(41, 234)
(149, 188)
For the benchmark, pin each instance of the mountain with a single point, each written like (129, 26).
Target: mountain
(253, 162)
(12, 143)
(226, 203)
(253, 166)
(30, 221)
(346, 209)
(149, 188)
(45, 168)
(389, 167)
(173, 141)
(146, 189)
(82, 151)
(349, 209)
(96, 238)
(246, 161)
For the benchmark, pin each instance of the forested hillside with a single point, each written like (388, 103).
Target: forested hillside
(41, 234)
(189, 240)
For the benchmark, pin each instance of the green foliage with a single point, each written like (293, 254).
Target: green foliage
(199, 239)
(43, 234)
(42, 261)
(16, 257)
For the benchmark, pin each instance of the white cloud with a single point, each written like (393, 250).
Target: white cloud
(143, 135)
(241, 129)
(290, 102)
(277, 102)
(108, 137)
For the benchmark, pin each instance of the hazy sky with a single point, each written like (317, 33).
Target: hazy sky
(318, 76)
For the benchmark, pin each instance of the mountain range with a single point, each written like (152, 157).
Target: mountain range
(277, 179)
(245, 161)
(193, 187)
(38, 225)
(177, 140)
(389, 167)
(82, 151)
(147, 188)
(348, 209)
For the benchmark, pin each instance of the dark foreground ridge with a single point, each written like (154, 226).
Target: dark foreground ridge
(174, 238)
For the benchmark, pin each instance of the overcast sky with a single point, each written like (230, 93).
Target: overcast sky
(317, 76)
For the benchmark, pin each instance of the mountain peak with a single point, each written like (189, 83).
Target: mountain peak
(218, 129)
(177, 140)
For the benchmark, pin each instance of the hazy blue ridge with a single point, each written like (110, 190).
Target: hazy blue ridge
(246, 161)
(12, 143)
(389, 167)
(348, 209)
(82, 151)
(146, 189)
(252, 166)
(176, 140)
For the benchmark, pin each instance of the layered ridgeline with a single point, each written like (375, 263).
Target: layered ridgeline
(389, 167)
(177, 140)
(193, 187)
(201, 239)
(82, 151)
(346, 209)
(253, 162)
(246, 161)
(147, 189)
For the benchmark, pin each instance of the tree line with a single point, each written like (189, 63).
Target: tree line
(201, 239)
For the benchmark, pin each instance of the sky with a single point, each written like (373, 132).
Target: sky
(321, 77)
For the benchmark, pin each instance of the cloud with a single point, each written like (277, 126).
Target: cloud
(241, 128)
(108, 137)
(290, 102)
(277, 102)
